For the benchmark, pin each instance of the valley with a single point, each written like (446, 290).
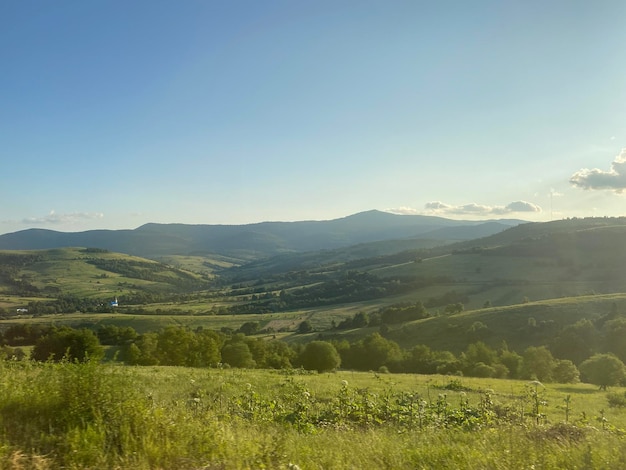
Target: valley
(443, 345)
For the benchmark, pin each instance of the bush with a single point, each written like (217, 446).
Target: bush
(603, 370)
(617, 400)
(566, 372)
(237, 355)
(68, 343)
(304, 327)
(320, 356)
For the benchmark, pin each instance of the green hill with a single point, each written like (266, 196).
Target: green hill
(89, 273)
(520, 326)
(521, 285)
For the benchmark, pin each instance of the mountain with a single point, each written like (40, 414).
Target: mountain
(253, 241)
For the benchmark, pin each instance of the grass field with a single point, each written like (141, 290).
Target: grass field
(103, 416)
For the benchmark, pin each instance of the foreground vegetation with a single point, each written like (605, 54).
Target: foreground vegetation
(89, 415)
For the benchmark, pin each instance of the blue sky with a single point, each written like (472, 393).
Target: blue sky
(116, 113)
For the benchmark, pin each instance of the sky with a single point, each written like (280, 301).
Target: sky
(114, 114)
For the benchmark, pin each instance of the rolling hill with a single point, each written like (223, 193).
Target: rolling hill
(551, 260)
(254, 241)
(89, 273)
(522, 284)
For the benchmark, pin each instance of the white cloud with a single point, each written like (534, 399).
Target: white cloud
(614, 179)
(471, 208)
(55, 219)
(522, 206)
(437, 205)
(440, 208)
(403, 211)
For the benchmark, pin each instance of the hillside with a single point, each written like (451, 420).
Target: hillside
(556, 272)
(565, 259)
(254, 241)
(521, 326)
(89, 274)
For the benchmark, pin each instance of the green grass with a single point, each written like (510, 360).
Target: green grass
(104, 416)
(510, 323)
(67, 271)
(200, 264)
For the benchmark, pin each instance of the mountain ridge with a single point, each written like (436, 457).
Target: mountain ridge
(257, 240)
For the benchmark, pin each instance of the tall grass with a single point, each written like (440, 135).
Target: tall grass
(89, 415)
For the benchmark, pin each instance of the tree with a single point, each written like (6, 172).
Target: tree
(479, 352)
(320, 356)
(279, 355)
(615, 334)
(237, 354)
(480, 369)
(399, 313)
(116, 335)
(603, 370)
(173, 346)
(249, 328)
(538, 364)
(68, 343)
(372, 352)
(419, 360)
(451, 309)
(143, 351)
(304, 327)
(576, 342)
(205, 349)
(566, 372)
(478, 330)
(360, 320)
(512, 361)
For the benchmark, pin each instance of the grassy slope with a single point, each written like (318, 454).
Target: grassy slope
(510, 323)
(67, 271)
(171, 417)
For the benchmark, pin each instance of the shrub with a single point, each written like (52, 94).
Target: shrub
(68, 343)
(320, 356)
(616, 400)
(603, 370)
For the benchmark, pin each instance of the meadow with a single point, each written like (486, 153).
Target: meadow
(91, 415)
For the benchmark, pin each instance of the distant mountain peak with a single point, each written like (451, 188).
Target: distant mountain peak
(258, 240)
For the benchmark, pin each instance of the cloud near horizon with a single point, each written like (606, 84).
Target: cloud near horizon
(441, 208)
(613, 180)
(54, 219)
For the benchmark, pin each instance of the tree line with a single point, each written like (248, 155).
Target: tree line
(177, 346)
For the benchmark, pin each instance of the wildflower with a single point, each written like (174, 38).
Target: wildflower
(344, 383)
(307, 395)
